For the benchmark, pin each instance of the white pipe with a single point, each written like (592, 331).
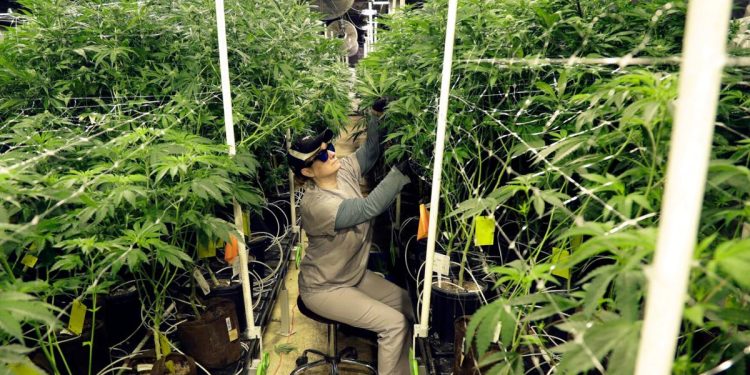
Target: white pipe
(253, 332)
(292, 201)
(421, 329)
(371, 30)
(704, 56)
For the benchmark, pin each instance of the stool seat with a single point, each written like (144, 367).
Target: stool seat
(334, 358)
(310, 314)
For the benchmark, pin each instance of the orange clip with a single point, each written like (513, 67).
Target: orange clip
(424, 222)
(231, 250)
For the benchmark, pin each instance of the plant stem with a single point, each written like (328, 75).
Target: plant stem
(465, 252)
(93, 329)
(8, 269)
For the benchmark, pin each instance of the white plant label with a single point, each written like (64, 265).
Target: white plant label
(236, 267)
(441, 263)
(144, 368)
(202, 283)
(496, 335)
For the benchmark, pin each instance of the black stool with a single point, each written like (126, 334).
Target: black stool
(347, 355)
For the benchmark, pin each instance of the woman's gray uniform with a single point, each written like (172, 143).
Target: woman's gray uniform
(334, 281)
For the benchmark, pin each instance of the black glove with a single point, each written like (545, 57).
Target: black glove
(409, 168)
(381, 104)
(404, 167)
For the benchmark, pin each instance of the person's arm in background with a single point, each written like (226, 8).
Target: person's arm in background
(355, 211)
(368, 153)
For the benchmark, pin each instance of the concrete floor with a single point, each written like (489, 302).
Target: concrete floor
(307, 333)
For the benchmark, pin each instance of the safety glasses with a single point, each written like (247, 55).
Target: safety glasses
(322, 155)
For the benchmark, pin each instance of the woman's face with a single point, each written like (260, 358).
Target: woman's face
(320, 169)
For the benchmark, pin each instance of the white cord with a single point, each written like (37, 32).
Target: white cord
(196, 362)
(109, 368)
(479, 286)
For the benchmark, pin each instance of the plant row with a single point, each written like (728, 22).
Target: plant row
(568, 161)
(113, 162)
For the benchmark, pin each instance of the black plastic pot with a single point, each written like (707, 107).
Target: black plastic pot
(142, 364)
(233, 292)
(208, 339)
(76, 354)
(122, 317)
(447, 306)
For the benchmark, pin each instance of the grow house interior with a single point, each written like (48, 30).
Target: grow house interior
(578, 196)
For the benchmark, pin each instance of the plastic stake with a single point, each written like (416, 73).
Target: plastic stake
(253, 332)
(704, 56)
(421, 329)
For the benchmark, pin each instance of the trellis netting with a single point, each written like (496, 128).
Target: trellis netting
(559, 127)
(113, 166)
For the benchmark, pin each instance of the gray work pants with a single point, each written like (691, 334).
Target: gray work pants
(377, 305)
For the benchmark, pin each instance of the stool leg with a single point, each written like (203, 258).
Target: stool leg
(335, 339)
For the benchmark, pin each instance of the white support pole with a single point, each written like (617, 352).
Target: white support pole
(704, 55)
(252, 332)
(421, 329)
(292, 198)
(371, 30)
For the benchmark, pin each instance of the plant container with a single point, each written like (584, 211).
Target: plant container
(75, 351)
(449, 303)
(231, 290)
(181, 364)
(142, 364)
(213, 339)
(122, 317)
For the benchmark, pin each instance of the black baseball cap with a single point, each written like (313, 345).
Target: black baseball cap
(304, 148)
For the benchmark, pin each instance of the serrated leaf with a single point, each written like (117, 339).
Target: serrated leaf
(595, 291)
(477, 319)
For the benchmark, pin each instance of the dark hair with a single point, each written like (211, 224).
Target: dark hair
(300, 180)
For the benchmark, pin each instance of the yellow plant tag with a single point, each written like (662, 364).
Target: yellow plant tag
(484, 234)
(246, 223)
(233, 335)
(25, 368)
(77, 316)
(206, 248)
(232, 331)
(164, 344)
(170, 366)
(560, 256)
(29, 260)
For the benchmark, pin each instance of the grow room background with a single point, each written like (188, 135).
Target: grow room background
(585, 164)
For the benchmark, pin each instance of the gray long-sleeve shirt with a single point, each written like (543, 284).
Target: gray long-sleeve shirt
(337, 221)
(358, 210)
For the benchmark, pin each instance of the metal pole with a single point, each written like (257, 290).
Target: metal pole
(252, 332)
(704, 55)
(421, 329)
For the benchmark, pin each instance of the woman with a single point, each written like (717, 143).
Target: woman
(334, 281)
